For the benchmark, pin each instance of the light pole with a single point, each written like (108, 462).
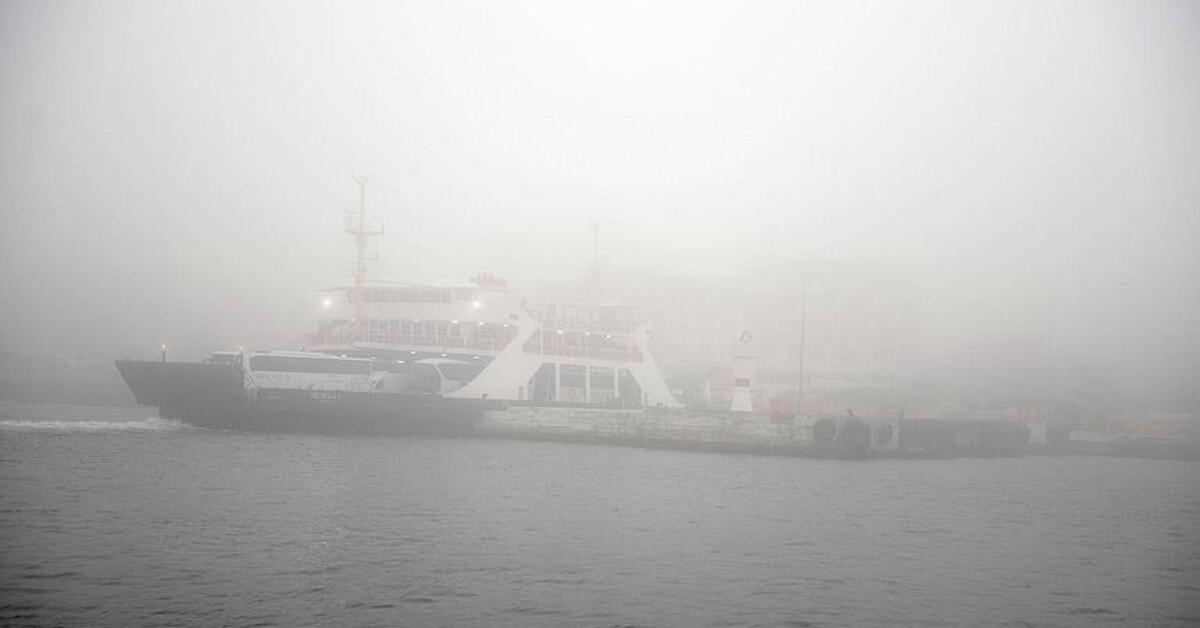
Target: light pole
(803, 331)
(163, 348)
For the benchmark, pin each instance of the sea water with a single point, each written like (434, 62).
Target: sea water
(111, 516)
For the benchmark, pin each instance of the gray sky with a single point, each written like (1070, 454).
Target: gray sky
(178, 170)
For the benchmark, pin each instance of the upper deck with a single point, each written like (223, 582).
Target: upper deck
(475, 319)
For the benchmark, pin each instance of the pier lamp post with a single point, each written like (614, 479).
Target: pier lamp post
(804, 284)
(163, 348)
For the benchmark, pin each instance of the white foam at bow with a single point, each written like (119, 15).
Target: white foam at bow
(148, 424)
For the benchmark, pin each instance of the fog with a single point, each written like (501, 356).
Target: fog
(178, 172)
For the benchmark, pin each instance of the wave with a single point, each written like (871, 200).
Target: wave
(90, 425)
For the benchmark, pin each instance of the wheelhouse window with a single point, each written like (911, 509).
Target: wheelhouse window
(399, 295)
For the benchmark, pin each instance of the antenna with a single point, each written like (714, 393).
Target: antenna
(596, 247)
(597, 265)
(356, 225)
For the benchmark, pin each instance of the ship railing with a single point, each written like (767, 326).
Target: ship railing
(594, 353)
(423, 340)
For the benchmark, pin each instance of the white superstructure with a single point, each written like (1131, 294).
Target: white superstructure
(489, 343)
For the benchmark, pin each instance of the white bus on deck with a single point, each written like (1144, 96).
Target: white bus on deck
(300, 370)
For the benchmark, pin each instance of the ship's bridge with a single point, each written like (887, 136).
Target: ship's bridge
(437, 316)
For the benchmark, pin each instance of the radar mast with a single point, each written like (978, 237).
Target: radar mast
(356, 225)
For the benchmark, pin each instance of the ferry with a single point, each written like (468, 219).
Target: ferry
(418, 358)
(397, 357)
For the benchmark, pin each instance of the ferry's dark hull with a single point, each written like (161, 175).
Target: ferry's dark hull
(213, 395)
